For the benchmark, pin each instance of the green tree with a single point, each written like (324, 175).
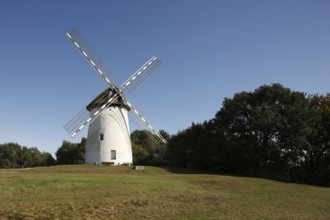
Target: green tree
(47, 159)
(24, 158)
(71, 153)
(199, 146)
(36, 156)
(153, 153)
(13, 155)
(140, 154)
(8, 155)
(317, 156)
(266, 129)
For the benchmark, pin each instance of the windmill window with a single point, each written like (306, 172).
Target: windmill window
(101, 137)
(113, 154)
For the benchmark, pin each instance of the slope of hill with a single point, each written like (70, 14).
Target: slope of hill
(103, 192)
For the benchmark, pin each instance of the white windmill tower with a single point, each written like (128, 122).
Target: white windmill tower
(108, 139)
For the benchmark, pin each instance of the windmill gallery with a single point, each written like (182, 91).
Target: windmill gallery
(108, 139)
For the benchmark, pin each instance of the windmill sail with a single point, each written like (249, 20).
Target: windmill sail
(144, 124)
(90, 55)
(137, 79)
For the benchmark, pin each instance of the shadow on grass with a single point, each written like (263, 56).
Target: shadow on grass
(283, 179)
(179, 170)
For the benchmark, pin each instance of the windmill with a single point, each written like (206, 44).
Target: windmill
(108, 139)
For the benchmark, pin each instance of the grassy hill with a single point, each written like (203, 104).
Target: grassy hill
(103, 192)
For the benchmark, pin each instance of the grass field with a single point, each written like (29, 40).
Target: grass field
(103, 192)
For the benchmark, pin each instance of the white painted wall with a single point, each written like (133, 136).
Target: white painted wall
(113, 124)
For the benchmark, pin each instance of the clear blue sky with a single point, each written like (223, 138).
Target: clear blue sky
(210, 49)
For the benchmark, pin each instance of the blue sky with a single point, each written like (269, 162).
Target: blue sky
(210, 49)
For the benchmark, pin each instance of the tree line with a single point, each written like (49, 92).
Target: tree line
(13, 155)
(271, 132)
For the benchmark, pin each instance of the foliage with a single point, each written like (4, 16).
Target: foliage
(272, 132)
(145, 150)
(317, 164)
(71, 153)
(140, 154)
(195, 147)
(12, 155)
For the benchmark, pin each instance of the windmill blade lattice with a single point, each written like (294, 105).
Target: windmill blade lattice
(137, 79)
(90, 55)
(90, 112)
(143, 124)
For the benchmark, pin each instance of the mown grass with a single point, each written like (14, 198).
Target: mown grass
(103, 192)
